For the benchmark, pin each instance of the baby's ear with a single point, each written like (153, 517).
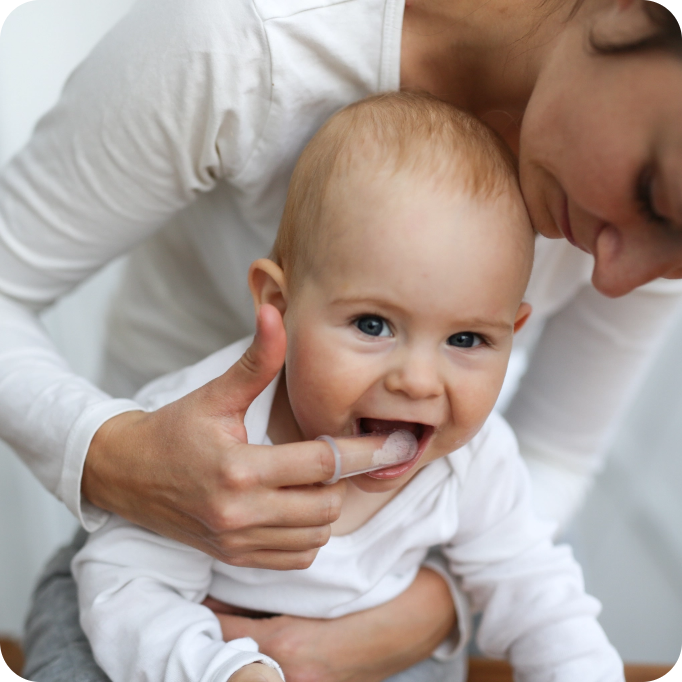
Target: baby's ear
(268, 284)
(522, 316)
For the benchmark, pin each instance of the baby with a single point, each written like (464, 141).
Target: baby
(399, 271)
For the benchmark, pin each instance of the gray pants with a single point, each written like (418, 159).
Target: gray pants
(57, 650)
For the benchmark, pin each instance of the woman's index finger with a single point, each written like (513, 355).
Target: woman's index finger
(293, 464)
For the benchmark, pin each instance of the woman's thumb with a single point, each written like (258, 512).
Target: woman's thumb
(251, 374)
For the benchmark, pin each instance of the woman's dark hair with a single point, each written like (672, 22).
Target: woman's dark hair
(666, 36)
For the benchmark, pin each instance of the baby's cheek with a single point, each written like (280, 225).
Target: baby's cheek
(319, 390)
(472, 405)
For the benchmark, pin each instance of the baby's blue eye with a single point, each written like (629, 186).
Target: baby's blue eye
(465, 340)
(373, 325)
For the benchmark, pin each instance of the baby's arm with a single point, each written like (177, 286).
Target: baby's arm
(531, 593)
(140, 602)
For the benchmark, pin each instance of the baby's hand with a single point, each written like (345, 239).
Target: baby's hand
(256, 672)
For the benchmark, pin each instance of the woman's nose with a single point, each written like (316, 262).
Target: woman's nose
(626, 259)
(416, 376)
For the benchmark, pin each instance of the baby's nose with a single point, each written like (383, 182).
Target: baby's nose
(416, 377)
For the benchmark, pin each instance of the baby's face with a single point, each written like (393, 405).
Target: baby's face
(407, 318)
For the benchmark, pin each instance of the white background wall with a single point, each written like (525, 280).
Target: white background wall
(40, 44)
(629, 537)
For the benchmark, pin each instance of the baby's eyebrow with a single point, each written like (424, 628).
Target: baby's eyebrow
(371, 301)
(478, 322)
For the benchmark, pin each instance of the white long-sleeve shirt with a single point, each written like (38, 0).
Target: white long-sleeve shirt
(140, 594)
(175, 140)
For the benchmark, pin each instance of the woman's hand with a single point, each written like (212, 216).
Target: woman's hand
(367, 646)
(186, 472)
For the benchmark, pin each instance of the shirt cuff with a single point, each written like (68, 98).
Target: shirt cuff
(242, 652)
(69, 490)
(459, 637)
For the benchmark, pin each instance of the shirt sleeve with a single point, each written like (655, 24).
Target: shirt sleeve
(583, 373)
(171, 102)
(531, 595)
(460, 635)
(140, 606)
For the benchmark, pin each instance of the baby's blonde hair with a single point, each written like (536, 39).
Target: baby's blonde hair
(398, 132)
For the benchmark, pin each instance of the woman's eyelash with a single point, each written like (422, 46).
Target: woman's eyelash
(644, 199)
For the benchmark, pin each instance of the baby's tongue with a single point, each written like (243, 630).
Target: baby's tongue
(386, 426)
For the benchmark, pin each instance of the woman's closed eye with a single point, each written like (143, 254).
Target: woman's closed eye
(465, 340)
(373, 325)
(645, 198)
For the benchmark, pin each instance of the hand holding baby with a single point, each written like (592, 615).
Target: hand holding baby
(187, 472)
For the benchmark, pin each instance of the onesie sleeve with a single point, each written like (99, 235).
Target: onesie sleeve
(535, 611)
(140, 606)
(583, 373)
(171, 102)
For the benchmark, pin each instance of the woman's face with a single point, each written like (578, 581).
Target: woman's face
(601, 151)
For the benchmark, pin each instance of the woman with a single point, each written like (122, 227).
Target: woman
(181, 129)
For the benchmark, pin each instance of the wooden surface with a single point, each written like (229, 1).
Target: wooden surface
(479, 670)
(12, 655)
(497, 671)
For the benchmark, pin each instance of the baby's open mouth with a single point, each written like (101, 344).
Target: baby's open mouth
(422, 432)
